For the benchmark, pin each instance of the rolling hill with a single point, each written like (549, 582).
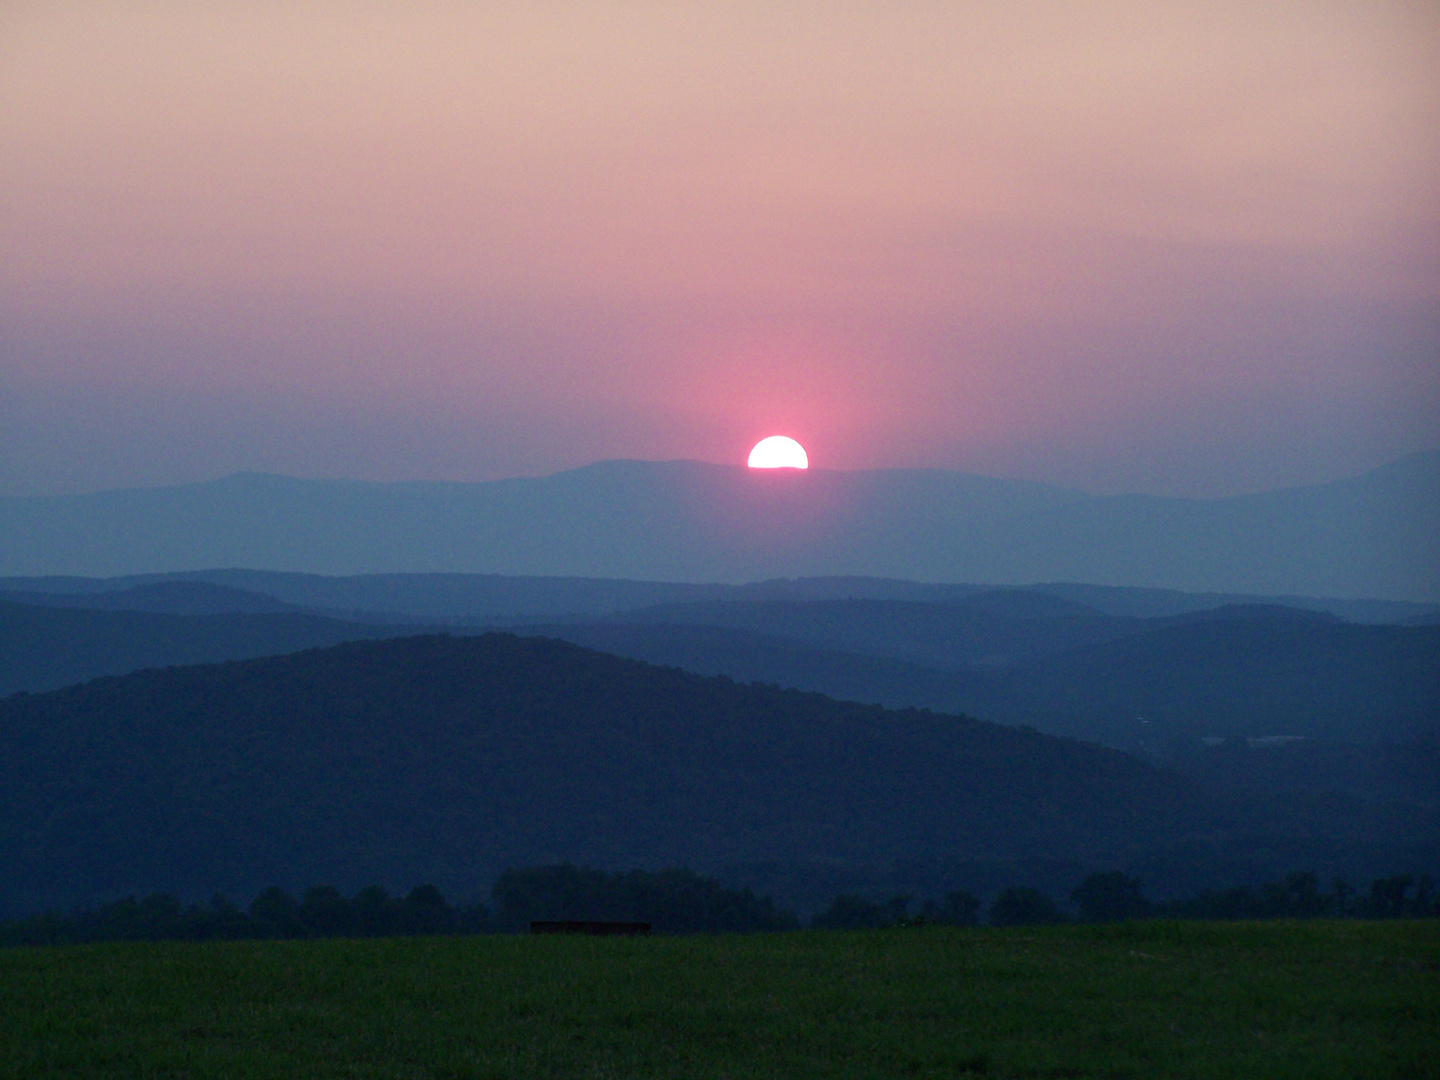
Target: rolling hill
(446, 759)
(1254, 676)
(1014, 657)
(1157, 685)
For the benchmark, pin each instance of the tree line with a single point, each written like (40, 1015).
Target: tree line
(672, 901)
(680, 902)
(1114, 896)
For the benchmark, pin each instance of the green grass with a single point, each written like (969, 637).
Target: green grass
(1248, 1000)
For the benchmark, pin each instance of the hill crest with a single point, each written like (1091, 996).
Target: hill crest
(446, 759)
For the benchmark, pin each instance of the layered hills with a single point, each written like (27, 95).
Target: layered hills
(1157, 684)
(1157, 689)
(446, 759)
(484, 599)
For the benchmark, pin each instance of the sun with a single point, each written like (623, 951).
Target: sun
(778, 452)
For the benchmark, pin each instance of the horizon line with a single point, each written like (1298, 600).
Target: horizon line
(734, 467)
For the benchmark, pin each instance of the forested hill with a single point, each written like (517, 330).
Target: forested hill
(1239, 671)
(447, 759)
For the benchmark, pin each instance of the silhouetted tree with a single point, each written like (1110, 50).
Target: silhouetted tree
(1340, 898)
(325, 913)
(159, 916)
(1387, 897)
(224, 920)
(372, 906)
(1023, 906)
(957, 909)
(1425, 903)
(1296, 896)
(425, 911)
(852, 913)
(276, 914)
(672, 901)
(1109, 897)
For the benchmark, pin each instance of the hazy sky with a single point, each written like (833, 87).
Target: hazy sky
(1183, 248)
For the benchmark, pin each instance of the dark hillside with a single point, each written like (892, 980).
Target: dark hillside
(447, 759)
(1242, 670)
(1251, 676)
(1361, 700)
(1380, 771)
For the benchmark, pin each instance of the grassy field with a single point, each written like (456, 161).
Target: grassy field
(1252, 1000)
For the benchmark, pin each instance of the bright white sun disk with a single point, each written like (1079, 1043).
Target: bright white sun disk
(778, 452)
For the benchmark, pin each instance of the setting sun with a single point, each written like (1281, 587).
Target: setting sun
(778, 452)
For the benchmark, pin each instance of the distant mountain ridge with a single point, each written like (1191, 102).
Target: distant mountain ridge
(495, 599)
(1376, 535)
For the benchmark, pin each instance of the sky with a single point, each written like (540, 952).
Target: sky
(1180, 248)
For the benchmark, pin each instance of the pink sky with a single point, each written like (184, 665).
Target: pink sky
(1184, 248)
